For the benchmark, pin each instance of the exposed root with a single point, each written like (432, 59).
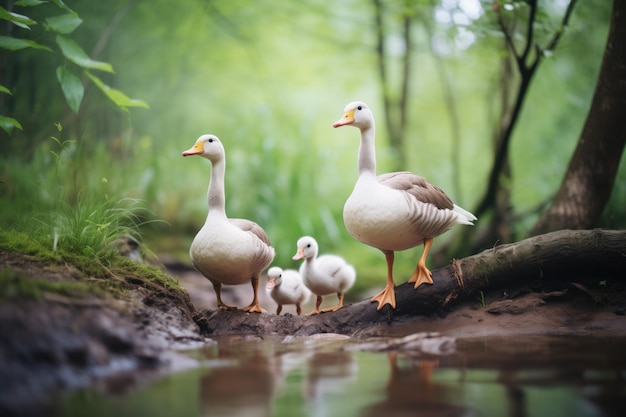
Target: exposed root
(457, 272)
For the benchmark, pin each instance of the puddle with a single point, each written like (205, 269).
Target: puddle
(336, 376)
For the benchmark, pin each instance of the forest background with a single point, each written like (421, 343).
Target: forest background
(270, 78)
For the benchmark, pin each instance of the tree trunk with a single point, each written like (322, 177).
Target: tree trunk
(555, 256)
(589, 180)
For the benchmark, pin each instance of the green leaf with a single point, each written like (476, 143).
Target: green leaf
(72, 88)
(61, 5)
(9, 123)
(120, 99)
(15, 44)
(74, 53)
(3, 89)
(65, 24)
(17, 19)
(29, 3)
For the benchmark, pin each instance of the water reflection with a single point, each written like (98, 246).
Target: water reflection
(245, 388)
(410, 388)
(327, 373)
(325, 376)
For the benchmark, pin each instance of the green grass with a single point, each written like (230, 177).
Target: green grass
(106, 273)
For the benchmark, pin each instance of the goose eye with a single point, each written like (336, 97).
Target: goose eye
(359, 108)
(210, 140)
(308, 246)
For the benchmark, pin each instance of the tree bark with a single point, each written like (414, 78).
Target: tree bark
(547, 258)
(589, 180)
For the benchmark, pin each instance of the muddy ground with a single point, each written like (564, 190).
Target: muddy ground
(60, 342)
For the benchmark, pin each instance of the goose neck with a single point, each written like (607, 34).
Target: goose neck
(216, 196)
(367, 152)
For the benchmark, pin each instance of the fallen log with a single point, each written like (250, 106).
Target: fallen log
(561, 256)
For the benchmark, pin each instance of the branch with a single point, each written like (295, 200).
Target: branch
(530, 30)
(575, 254)
(509, 39)
(406, 73)
(453, 113)
(382, 68)
(564, 23)
(110, 29)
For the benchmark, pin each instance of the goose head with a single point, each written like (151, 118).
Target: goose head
(306, 248)
(274, 277)
(208, 146)
(356, 114)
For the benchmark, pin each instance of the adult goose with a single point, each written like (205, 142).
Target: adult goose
(323, 275)
(227, 251)
(395, 211)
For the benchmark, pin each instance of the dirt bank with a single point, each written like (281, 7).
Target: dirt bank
(55, 341)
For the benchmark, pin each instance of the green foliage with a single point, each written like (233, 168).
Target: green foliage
(71, 84)
(74, 53)
(17, 19)
(14, 44)
(78, 218)
(9, 123)
(91, 224)
(114, 95)
(64, 24)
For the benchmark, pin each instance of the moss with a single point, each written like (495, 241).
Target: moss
(19, 242)
(107, 271)
(16, 285)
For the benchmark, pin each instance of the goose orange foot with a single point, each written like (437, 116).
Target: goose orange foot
(253, 308)
(318, 303)
(386, 296)
(337, 307)
(421, 276)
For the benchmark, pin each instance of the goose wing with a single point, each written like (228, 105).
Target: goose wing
(418, 187)
(251, 227)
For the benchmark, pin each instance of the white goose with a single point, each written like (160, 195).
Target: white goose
(227, 251)
(325, 274)
(395, 211)
(286, 287)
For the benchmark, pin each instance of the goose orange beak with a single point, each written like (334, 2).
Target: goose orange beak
(346, 119)
(299, 254)
(271, 283)
(196, 149)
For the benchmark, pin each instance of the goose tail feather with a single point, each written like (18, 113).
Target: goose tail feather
(465, 217)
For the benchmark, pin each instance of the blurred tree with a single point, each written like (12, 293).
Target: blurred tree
(590, 177)
(395, 104)
(527, 52)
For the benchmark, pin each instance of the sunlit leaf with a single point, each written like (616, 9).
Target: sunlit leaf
(75, 53)
(3, 89)
(29, 3)
(15, 44)
(8, 124)
(65, 24)
(120, 99)
(72, 88)
(17, 19)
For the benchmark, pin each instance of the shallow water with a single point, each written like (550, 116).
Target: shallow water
(334, 376)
